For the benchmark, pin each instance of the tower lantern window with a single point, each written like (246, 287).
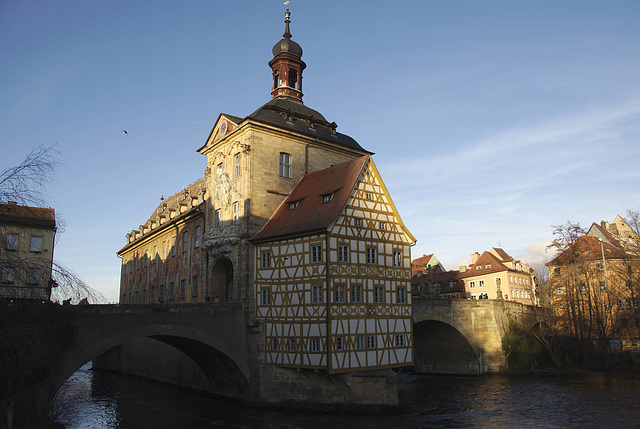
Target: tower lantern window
(293, 78)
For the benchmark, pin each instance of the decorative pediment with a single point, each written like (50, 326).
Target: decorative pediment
(224, 126)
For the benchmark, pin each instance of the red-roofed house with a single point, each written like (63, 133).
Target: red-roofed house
(26, 251)
(332, 274)
(496, 275)
(424, 263)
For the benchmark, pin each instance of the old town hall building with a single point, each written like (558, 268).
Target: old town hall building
(292, 219)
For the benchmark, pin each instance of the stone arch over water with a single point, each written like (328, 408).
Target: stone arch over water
(224, 373)
(442, 349)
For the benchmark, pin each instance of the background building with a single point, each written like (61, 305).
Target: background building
(26, 253)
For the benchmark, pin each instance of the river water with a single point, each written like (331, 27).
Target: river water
(99, 399)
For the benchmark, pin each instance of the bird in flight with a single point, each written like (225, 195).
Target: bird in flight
(125, 131)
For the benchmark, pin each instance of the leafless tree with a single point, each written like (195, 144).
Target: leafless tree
(26, 185)
(26, 182)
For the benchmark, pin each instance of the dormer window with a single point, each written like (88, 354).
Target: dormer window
(326, 198)
(293, 205)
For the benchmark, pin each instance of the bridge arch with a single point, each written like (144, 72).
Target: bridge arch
(441, 348)
(226, 372)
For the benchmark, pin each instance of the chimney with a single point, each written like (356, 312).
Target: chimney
(463, 268)
(604, 224)
(474, 257)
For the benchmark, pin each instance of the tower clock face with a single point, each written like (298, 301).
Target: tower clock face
(223, 128)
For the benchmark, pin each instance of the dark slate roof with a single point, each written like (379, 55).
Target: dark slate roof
(310, 213)
(291, 114)
(25, 215)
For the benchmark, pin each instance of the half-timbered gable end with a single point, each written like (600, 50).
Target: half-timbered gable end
(333, 274)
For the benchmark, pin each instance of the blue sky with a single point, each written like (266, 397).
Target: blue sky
(490, 120)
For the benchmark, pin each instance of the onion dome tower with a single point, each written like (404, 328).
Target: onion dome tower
(287, 65)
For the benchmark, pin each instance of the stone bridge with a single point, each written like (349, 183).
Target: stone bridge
(215, 347)
(212, 337)
(455, 336)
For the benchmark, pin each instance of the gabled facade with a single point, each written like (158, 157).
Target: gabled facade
(333, 274)
(26, 251)
(496, 275)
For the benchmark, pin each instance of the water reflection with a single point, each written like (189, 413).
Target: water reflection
(99, 399)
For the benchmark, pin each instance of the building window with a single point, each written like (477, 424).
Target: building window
(487, 267)
(315, 345)
(368, 195)
(356, 294)
(339, 343)
(196, 238)
(371, 255)
(236, 213)
(480, 283)
(195, 286)
(478, 267)
(172, 290)
(7, 275)
(32, 276)
(36, 244)
(401, 295)
(161, 294)
(339, 293)
(400, 340)
(218, 217)
(343, 253)
(316, 253)
(360, 342)
(236, 164)
(472, 284)
(358, 223)
(371, 341)
(285, 165)
(183, 288)
(292, 345)
(382, 225)
(293, 205)
(397, 258)
(265, 260)
(293, 78)
(11, 242)
(154, 253)
(146, 258)
(274, 344)
(265, 296)
(185, 241)
(173, 246)
(317, 297)
(378, 294)
(164, 250)
(327, 198)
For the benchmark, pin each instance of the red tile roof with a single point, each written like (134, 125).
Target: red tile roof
(311, 213)
(479, 268)
(37, 216)
(587, 248)
(423, 260)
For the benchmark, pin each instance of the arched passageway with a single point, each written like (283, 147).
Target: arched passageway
(220, 283)
(442, 349)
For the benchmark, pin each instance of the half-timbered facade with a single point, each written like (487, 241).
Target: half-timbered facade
(333, 271)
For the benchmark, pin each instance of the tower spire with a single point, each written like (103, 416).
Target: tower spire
(287, 65)
(287, 32)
